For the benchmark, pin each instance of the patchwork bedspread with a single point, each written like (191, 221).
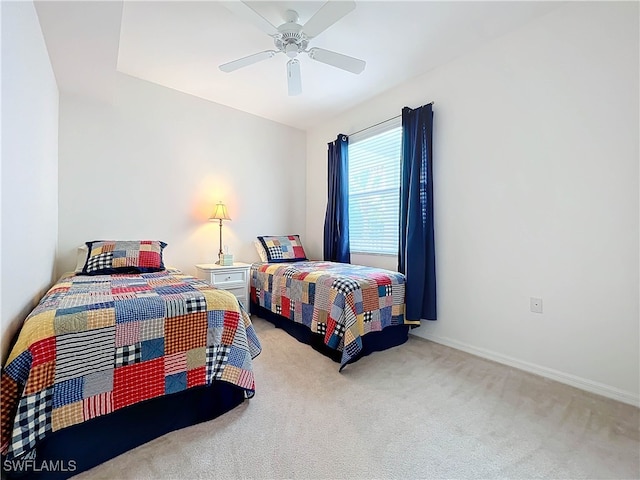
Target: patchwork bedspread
(96, 344)
(343, 302)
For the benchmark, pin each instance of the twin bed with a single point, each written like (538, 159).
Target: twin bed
(119, 354)
(125, 350)
(344, 311)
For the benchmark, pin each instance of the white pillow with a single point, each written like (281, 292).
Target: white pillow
(81, 257)
(260, 249)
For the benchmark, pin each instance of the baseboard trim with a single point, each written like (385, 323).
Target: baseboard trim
(573, 380)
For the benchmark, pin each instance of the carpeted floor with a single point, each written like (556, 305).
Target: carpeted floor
(420, 410)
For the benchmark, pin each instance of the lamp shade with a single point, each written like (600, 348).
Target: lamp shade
(220, 213)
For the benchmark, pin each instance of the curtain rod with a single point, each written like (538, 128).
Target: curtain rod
(380, 123)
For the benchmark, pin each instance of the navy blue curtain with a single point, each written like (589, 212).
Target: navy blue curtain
(416, 258)
(336, 220)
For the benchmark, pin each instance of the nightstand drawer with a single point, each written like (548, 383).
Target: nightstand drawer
(237, 291)
(227, 277)
(232, 278)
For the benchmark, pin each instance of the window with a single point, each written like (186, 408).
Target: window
(374, 188)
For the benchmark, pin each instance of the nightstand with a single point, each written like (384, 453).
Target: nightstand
(233, 278)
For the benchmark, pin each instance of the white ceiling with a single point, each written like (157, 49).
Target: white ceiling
(180, 45)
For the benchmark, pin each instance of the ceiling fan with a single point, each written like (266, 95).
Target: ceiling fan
(291, 38)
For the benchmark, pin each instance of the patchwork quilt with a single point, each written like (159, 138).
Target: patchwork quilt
(342, 302)
(96, 344)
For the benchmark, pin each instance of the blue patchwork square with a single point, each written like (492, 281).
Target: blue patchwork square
(307, 314)
(140, 309)
(357, 300)
(312, 293)
(237, 357)
(100, 306)
(71, 310)
(151, 349)
(384, 290)
(359, 306)
(397, 319)
(175, 383)
(19, 367)
(215, 319)
(339, 302)
(353, 348)
(385, 316)
(267, 300)
(67, 392)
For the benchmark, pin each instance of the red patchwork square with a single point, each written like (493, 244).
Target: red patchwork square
(246, 379)
(230, 325)
(370, 300)
(43, 351)
(286, 307)
(331, 327)
(299, 252)
(97, 405)
(127, 333)
(197, 376)
(381, 279)
(137, 382)
(132, 288)
(149, 259)
(231, 319)
(175, 363)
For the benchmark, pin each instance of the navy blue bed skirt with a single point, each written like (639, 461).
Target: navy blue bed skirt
(371, 342)
(78, 448)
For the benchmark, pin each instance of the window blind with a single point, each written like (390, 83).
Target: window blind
(374, 186)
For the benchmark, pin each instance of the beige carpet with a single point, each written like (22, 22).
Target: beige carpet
(420, 410)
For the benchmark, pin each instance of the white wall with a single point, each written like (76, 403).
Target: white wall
(152, 163)
(29, 167)
(536, 195)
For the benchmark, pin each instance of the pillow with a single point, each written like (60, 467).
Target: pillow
(279, 249)
(81, 258)
(106, 257)
(261, 251)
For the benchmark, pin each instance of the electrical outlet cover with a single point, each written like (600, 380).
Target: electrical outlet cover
(535, 305)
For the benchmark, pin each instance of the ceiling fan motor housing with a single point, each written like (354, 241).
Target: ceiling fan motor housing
(291, 40)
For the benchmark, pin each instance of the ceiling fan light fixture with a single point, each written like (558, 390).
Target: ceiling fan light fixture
(291, 50)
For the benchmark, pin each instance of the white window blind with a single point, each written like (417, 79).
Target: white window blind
(374, 189)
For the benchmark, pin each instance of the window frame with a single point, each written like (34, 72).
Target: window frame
(368, 133)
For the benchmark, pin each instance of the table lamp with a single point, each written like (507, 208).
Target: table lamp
(221, 214)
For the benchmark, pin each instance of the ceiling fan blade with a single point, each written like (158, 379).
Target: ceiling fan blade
(245, 61)
(339, 60)
(328, 14)
(243, 10)
(294, 80)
